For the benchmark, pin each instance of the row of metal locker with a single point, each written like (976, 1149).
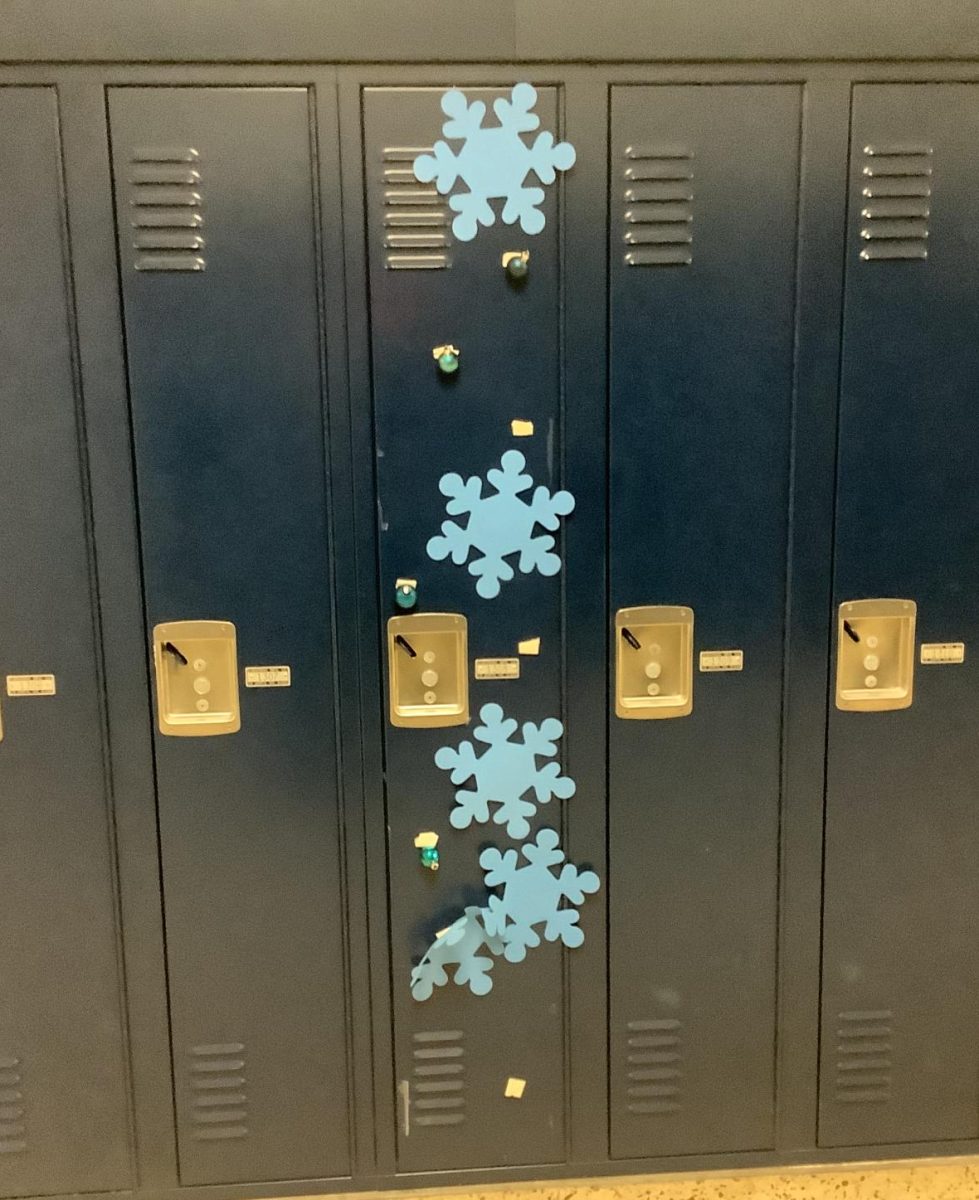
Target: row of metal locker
(706, 404)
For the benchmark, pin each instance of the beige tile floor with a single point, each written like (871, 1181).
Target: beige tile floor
(940, 1179)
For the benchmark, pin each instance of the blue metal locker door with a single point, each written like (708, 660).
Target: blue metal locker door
(901, 957)
(703, 221)
(214, 195)
(63, 1111)
(455, 1051)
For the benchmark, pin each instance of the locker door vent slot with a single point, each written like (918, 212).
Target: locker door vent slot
(863, 1057)
(13, 1131)
(895, 201)
(654, 1067)
(438, 1082)
(218, 1088)
(416, 217)
(658, 217)
(166, 200)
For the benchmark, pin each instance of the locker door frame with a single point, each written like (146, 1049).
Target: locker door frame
(584, 740)
(129, 699)
(76, 319)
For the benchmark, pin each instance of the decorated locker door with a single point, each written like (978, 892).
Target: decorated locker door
(702, 259)
(464, 284)
(63, 1112)
(214, 196)
(901, 958)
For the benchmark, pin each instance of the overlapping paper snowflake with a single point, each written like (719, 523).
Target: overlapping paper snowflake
(500, 525)
(493, 162)
(506, 774)
(460, 946)
(533, 896)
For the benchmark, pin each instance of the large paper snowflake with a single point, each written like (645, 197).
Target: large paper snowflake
(500, 525)
(493, 163)
(459, 945)
(533, 895)
(505, 773)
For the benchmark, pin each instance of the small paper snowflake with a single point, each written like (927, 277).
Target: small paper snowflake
(493, 163)
(459, 945)
(500, 525)
(506, 772)
(533, 894)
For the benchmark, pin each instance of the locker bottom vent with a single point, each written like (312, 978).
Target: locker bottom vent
(863, 1057)
(219, 1094)
(438, 1083)
(654, 1067)
(13, 1132)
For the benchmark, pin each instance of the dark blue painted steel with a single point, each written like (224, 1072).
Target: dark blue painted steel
(701, 377)
(63, 1112)
(426, 425)
(902, 892)
(225, 369)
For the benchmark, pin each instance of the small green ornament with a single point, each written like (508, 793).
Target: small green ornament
(430, 857)
(406, 593)
(447, 358)
(517, 264)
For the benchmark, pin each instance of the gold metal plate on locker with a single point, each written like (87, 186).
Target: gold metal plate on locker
(653, 662)
(196, 678)
(875, 655)
(428, 665)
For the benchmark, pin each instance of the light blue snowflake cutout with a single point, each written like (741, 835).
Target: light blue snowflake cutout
(500, 525)
(493, 163)
(533, 895)
(459, 945)
(506, 772)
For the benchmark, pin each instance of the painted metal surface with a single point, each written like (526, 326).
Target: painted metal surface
(900, 959)
(703, 207)
(447, 1054)
(64, 1123)
(227, 401)
(241, 256)
(487, 31)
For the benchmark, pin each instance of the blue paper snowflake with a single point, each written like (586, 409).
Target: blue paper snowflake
(493, 163)
(506, 772)
(500, 525)
(533, 895)
(459, 945)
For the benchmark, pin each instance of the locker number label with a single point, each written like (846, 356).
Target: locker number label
(497, 668)
(268, 677)
(722, 660)
(31, 685)
(942, 652)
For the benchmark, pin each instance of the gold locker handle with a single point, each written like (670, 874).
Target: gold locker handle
(875, 655)
(653, 662)
(196, 666)
(428, 668)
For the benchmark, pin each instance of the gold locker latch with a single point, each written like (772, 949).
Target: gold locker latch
(428, 668)
(196, 678)
(653, 662)
(875, 655)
